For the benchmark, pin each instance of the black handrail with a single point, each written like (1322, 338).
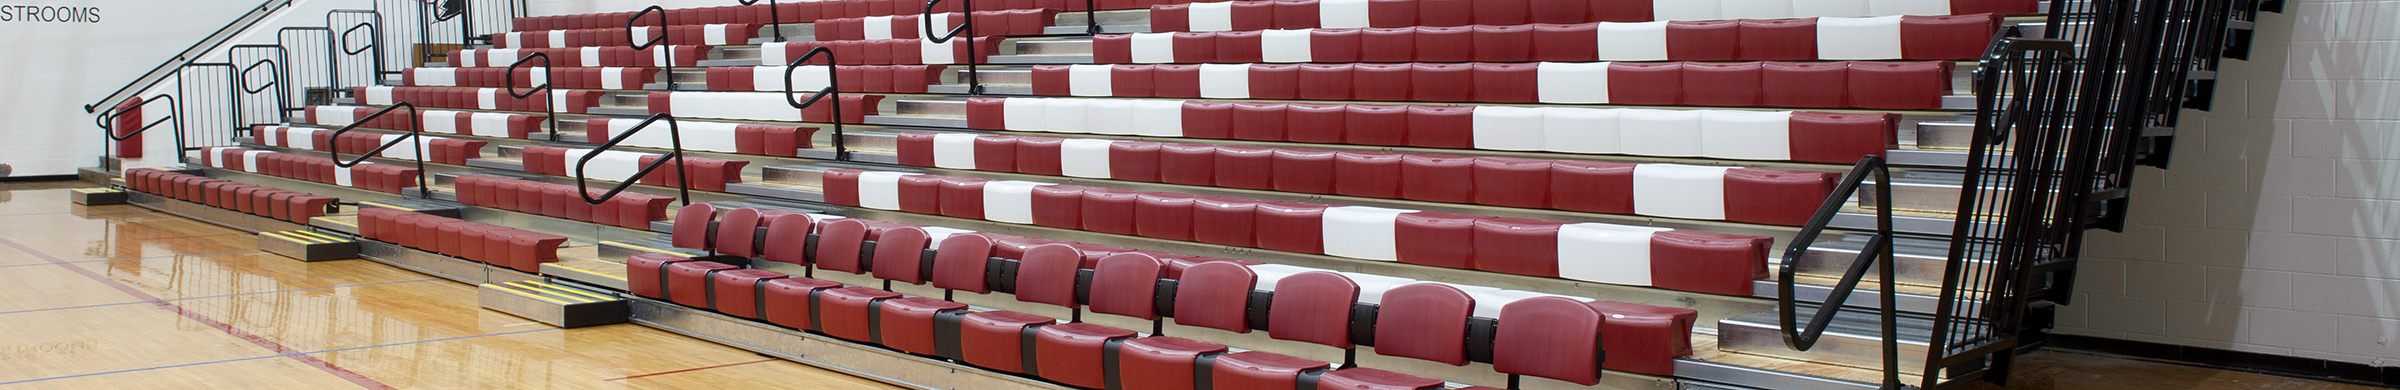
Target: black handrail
(683, 175)
(974, 77)
(191, 53)
(1877, 254)
(107, 121)
(774, 17)
(833, 87)
(661, 40)
(341, 43)
(549, 103)
(242, 83)
(416, 126)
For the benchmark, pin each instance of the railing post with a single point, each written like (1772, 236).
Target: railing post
(662, 40)
(1877, 254)
(683, 175)
(974, 77)
(774, 17)
(108, 132)
(833, 88)
(416, 128)
(549, 103)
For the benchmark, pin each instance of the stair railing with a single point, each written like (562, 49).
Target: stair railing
(967, 27)
(683, 177)
(416, 128)
(662, 40)
(275, 82)
(774, 17)
(549, 103)
(833, 88)
(1876, 255)
(373, 47)
(107, 120)
(206, 44)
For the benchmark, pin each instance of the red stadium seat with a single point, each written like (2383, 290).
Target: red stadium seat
(1728, 84)
(1707, 262)
(1652, 84)
(1224, 221)
(1592, 186)
(1437, 178)
(1445, 44)
(1549, 337)
(1164, 215)
(1512, 182)
(1291, 227)
(1804, 84)
(1325, 82)
(1381, 125)
(1381, 82)
(1395, 44)
(1255, 165)
(1510, 42)
(1303, 171)
(1108, 211)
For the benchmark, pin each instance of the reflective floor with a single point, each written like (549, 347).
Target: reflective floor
(93, 297)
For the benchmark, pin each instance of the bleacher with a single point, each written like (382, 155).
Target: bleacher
(1250, 194)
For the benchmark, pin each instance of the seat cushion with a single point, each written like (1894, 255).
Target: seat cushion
(1362, 378)
(1162, 362)
(1262, 370)
(995, 339)
(1073, 353)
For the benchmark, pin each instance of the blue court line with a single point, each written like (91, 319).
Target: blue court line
(273, 356)
(211, 297)
(139, 258)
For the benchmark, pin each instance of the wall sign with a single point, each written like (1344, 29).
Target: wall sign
(48, 14)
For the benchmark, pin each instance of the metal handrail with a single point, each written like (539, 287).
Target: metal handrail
(278, 76)
(661, 40)
(416, 127)
(774, 17)
(341, 43)
(1877, 254)
(549, 103)
(683, 175)
(107, 121)
(193, 53)
(833, 87)
(974, 77)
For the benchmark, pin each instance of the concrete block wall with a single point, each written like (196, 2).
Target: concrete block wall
(2278, 229)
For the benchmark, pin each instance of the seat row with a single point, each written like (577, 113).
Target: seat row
(287, 206)
(811, 78)
(1681, 260)
(621, 36)
(797, 12)
(706, 174)
(913, 26)
(882, 51)
(1838, 84)
(1175, 16)
(761, 106)
(1882, 38)
(1744, 135)
(738, 138)
(519, 250)
(585, 57)
(630, 210)
(1298, 304)
(613, 78)
(321, 169)
(480, 124)
(564, 101)
(1753, 195)
(437, 149)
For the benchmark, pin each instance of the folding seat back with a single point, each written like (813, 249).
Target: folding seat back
(737, 233)
(1424, 321)
(1313, 307)
(692, 226)
(1047, 275)
(1549, 337)
(1126, 284)
(840, 246)
(960, 263)
(900, 254)
(1215, 295)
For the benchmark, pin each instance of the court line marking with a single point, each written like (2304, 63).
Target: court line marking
(216, 296)
(138, 258)
(290, 355)
(254, 339)
(679, 371)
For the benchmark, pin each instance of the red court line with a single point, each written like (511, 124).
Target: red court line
(690, 370)
(262, 342)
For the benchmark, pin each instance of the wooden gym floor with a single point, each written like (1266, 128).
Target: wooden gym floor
(111, 296)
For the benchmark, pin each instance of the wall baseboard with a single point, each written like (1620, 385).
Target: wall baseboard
(2292, 366)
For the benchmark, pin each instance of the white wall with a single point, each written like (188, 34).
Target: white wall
(52, 69)
(2278, 229)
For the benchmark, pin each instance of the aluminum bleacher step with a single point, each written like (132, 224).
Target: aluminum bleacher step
(553, 303)
(1853, 339)
(305, 245)
(446, 209)
(97, 196)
